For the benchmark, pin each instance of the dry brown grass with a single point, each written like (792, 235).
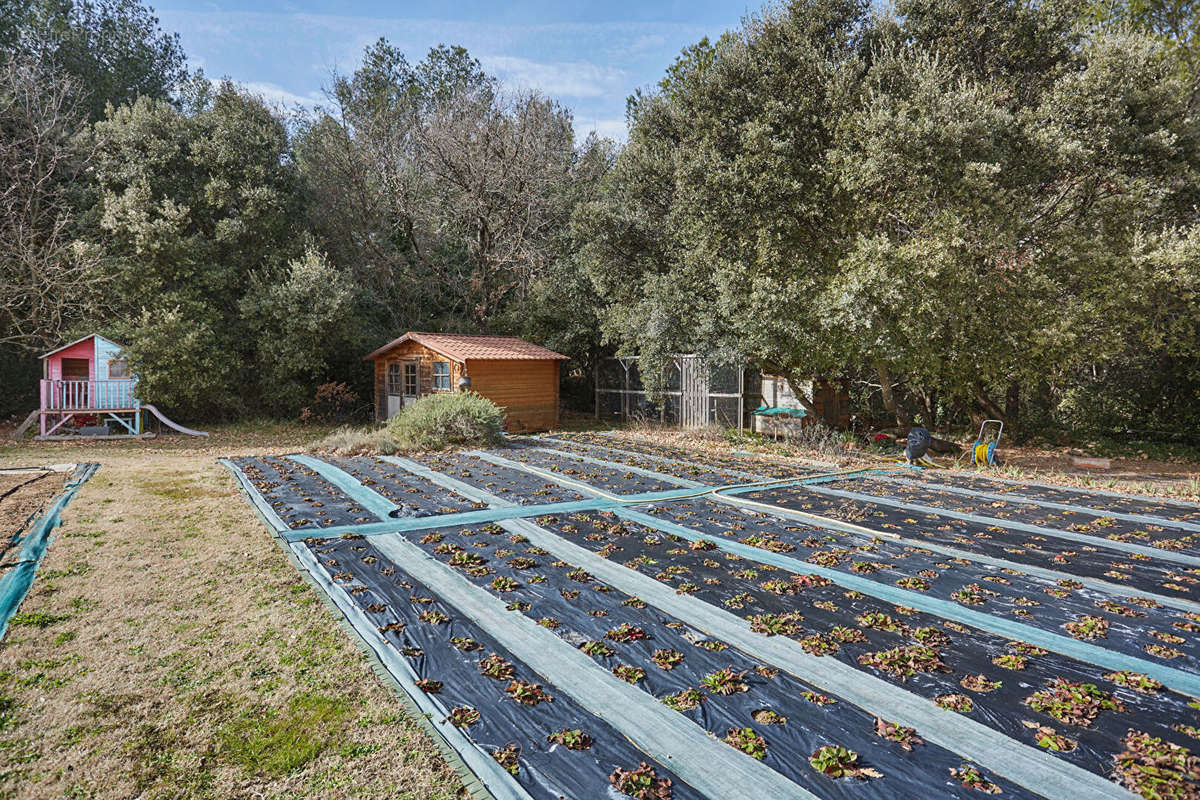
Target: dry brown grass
(170, 650)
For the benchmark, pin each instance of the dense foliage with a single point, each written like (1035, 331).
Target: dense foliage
(970, 207)
(962, 203)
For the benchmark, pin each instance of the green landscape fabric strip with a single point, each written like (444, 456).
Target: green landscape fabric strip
(708, 765)
(1017, 499)
(1164, 555)
(15, 584)
(498, 781)
(1031, 768)
(1179, 680)
(373, 502)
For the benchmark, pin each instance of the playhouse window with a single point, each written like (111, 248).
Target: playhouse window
(410, 379)
(118, 368)
(393, 379)
(441, 376)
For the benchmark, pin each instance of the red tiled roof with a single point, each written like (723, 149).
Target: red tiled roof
(464, 346)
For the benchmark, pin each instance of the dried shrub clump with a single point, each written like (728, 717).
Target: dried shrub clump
(496, 668)
(509, 758)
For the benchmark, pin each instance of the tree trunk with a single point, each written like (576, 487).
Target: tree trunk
(889, 398)
(805, 403)
(1012, 404)
(988, 405)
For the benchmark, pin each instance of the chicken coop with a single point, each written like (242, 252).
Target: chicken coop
(696, 394)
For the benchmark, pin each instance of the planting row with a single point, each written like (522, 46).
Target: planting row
(1138, 571)
(1127, 623)
(806, 735)
(1121, 504)
(510, 484)
(1078, 711)
(541, 736)
(613, 480)
(415, 496)
(716, 458)
(1103, 528)
(300, 497)
(707, 475)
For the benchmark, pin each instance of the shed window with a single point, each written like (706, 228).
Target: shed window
(393, 379)
(118, 368)
(441, 376)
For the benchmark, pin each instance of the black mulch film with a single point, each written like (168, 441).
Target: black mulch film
(1140, 573)
(1131, 624)
(685, 668)
(999, 674)
(608, 479)
(299, 496)
(446, 651)
(504, 482)
(709, 476)
(766, 467)
(1170, 509)
(1123, 726)
(415, 496)
(1103, 528)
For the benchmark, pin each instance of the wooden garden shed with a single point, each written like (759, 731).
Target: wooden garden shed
(520, 376)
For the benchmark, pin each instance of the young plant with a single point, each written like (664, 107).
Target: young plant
(596, 649)
(893, 732)
(725, 682)
(509, 758)
(1088, 627)
(505, 584)
(626, 633)
(571, 739)
(1157, 769)
(465, 643)
(641, 783)
(527, 694)
(429, 686)
(749, 742)
(836, 761)
(497, 668)
(685, 700)
(667, 659)
(629, 674)
(776, 624)
(1073, 703)
(765, 716)
(904, 662)
(462, 716)
(969, 777)
(955, 702)
(1136, 681)
(979, 683)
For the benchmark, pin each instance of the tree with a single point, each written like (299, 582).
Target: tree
(442, 191)
(47, 274)
(114, 49)
(949, 199)
(193, 204)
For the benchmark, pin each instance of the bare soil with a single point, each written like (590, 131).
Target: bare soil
(21, 496)
(168, 648)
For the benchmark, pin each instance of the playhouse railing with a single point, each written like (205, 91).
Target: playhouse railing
(88, 395)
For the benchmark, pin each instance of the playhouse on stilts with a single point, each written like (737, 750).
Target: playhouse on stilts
(87, 389)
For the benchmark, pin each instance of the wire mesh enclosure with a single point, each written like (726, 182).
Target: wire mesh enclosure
(697, 394)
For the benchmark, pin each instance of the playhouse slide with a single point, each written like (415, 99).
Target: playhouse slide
(169, 423)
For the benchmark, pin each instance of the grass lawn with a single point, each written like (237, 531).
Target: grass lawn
(169, 650)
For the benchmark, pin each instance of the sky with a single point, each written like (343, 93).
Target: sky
(589, 56)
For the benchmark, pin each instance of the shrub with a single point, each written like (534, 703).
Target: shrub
(334, 402)
(440, 420)
(357, 441)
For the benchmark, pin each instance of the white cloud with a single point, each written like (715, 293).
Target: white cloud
(614, 129)
(277, 95)
(557, 79)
